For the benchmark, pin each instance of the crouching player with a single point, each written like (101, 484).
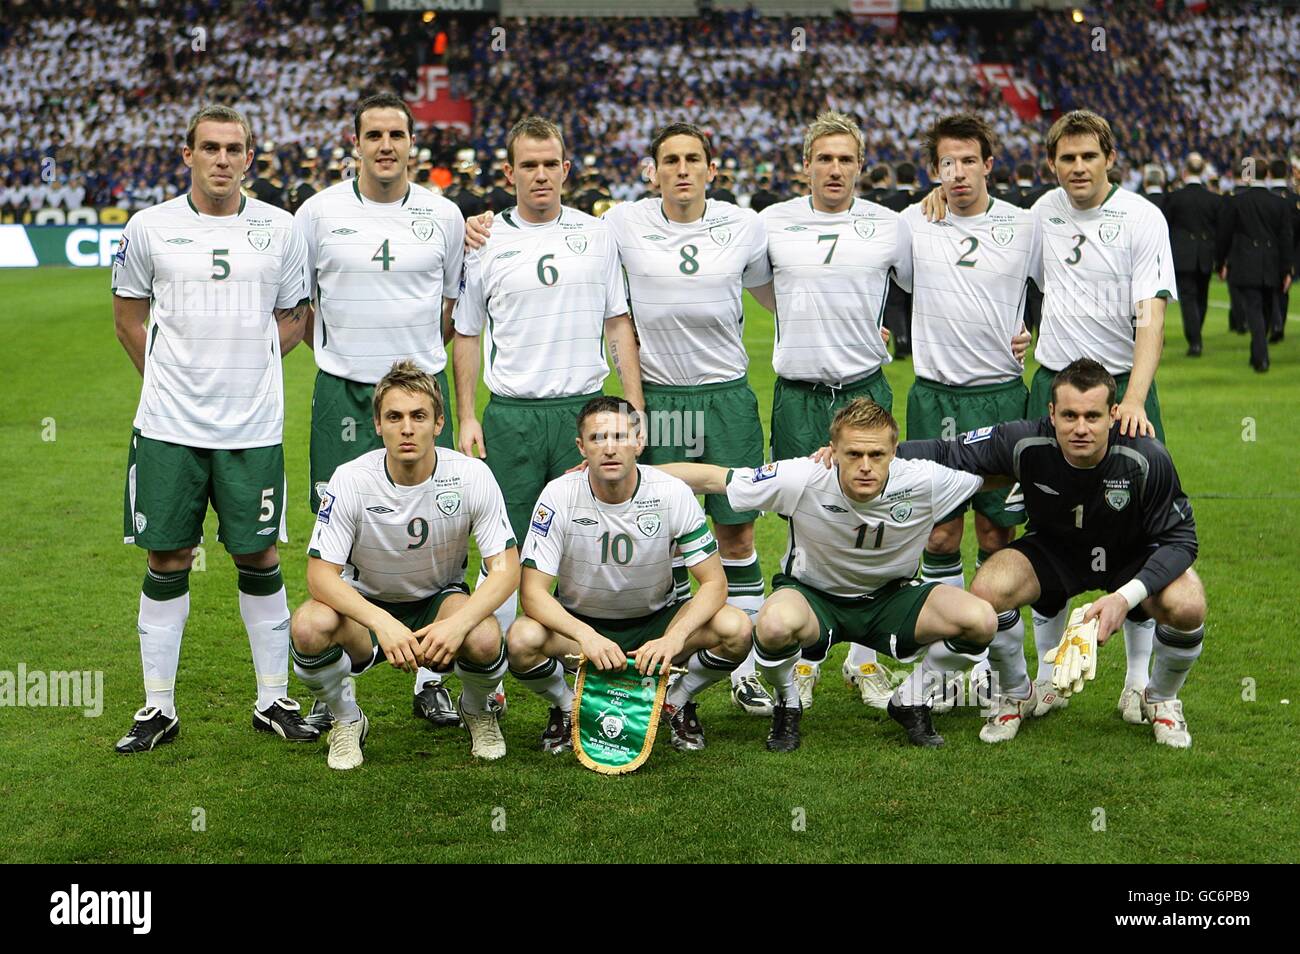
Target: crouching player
(386, 569)
(1106, 511)
(856, 533)
(603, 540)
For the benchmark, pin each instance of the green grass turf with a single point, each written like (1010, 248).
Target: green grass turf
(69, 593)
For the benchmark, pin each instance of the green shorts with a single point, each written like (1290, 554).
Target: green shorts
(802, 411)
(940, 411)
(343, 426)
(1040, 395)
(168, 487)
(631, 633)
(706, 424)
(529, 444)
(413, 615)
(886, 622)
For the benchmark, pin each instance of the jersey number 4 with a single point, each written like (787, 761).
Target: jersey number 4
(383, 256)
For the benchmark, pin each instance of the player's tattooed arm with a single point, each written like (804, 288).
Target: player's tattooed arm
(292, 324)
(621, 337)
(130, 317)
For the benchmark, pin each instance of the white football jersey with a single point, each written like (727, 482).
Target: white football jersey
(968, 292)
(831, 274)
(379, 273)
(684, 283)
(399, 543)
(1095, 266)
(539, 295)
(615, 561)
(212, 374)
(843, 547)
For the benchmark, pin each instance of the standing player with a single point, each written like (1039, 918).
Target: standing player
(219, 280)
(546, 290)
(386, 569)
(968, 300)
(856, 532)
(687, 260)
(602, 541)
(1106, 273)
(832, 257)
(384, 256)
(1106, 511)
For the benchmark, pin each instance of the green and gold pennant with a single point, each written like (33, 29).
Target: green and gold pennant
(617, 716)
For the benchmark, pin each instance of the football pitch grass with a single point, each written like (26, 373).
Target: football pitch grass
(1080, 786)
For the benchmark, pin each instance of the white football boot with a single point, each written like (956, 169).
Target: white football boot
(1047, 699)
(1005, 722)
(1167, 721)
(806, 677)
(875, 682)
(346, 741)
(486, 740)
(1130, 706)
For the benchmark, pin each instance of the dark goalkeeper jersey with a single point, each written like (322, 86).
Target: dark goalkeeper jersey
(1129, 505)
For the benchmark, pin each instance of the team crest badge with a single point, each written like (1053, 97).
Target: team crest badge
(720, 234)
(140, 522)
(900, 511)
(1117, 499)
(865, 228)
(422, 228)
(448, 501)
(611, 726)
(1003, 234)
(577, 243)
(260, 239)
(1109, 231)
(648, 523)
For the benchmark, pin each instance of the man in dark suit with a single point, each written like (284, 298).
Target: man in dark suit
(1193, 216)
(898, 303)
(1153, 185)
(1256, 255)
(1278, 174)
(879, 179)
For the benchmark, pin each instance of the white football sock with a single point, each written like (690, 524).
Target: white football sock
(547, 680)
(942, 568)
(703, 669)
(1007, 655)
(860, 655)
(424, 675)
(266, 618)
(746, 668)
(779, 674)
(160, 624)
(330, 681)
(926, 682)
(1139, 639)
(1048, 631)
(1176, 651)
(477, 682)
(744, 584)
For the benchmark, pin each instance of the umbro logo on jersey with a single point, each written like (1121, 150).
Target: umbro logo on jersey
(654, 238)
(344, 232)
(380, 509)
(266, 531)
(180, 241)
(510, 254)
(584, 521)
(834, 508)
(1056, 221)
(795, 228)
(1047, 490)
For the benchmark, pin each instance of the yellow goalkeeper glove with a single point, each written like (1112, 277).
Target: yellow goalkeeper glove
(1075, 660)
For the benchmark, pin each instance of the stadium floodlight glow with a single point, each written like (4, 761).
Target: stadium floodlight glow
(429, 16)
(1077, 15)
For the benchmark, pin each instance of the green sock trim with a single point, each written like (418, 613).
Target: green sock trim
(540, 671)
(484, 669)
(260, 582)
(319, 661)
(781, 656)
(739, 574)
(165, 586)
(965, 647)
(940, 561)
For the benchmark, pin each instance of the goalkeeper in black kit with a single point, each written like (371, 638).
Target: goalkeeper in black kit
(1105, 511)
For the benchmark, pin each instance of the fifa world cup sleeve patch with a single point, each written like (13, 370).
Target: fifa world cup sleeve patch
(542, 518)
(764, 472)
(119, 257)
(326, 505)
(977, 435)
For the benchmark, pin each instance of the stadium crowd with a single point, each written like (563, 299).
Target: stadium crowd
(91, 99)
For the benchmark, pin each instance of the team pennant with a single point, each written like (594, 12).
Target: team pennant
(617, 716)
